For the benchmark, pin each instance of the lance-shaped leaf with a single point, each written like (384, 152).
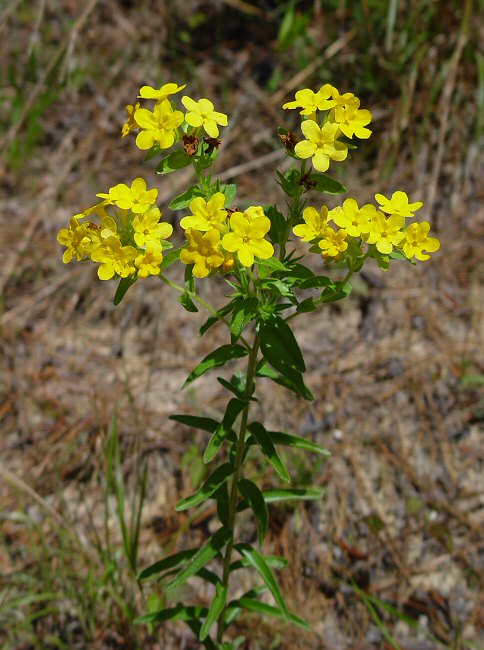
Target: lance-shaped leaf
(316, 282)
(290, 379)
(254, 498)
(204, 554)
(326, 184)
(214, 481)
(167, 563)
(211, 320)
(215, 359)
(184, 199)
(170, 258)
(294, 494)
(289, 440)
(279, 345)
(265, 443)
(206, 424)
(123, 286)
(258, 562)
(177, 613)
(223, 430)
(274, 561)
(244, 311)
(270, 610)
(216, 606)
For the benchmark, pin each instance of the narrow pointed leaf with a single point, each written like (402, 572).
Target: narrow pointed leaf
(170, 258)
(273, 561)
(294, 494)
(279, 345)
(258, 562)
(214, 611)
(234, 407)
(123, 286)
(217, 358)
(167, 563)
(204, 554)
(289, 440)
(254, 498)
(183, 200)
(269, 610)
(244, 311)
(291, 379)
(214, 481)
(206, 424)
(265, 443)
(177, 613)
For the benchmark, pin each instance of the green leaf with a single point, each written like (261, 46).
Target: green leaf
(215, 359)
(185, 198)
(170, 258)
(316, 282)
(274, 561)
(327, 184)
(269, 610)
(175, 160)
(278, 224)
(187, 302)
(254, 498)
(236, 385)
(123, 286)
(204, 554)
(206, 424)
(234, 407)
(278, 288)
(177, 613)
(266, 267)
(265, 443)
(257, 561)
(167, 563)
(152, 153)
(289, 440)
(332, 295)
(230, 190)
(279, 345)
(290, 379)
(244, 311)
(216, 607)
(223, 311)
(214, 481)
(306, 305)
(294, 494)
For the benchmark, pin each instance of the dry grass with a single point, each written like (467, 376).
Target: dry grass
(397, 369)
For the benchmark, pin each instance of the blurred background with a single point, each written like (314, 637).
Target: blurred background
(393, 556)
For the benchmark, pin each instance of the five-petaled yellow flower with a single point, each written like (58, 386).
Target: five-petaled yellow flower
(314, 224)
(353, 219)
(206, 214)
(203, 251)
(157, 126)
(160, 94)
(333, 243)
(115, 259)
(352, 121)
(247, 238)
(203, 113)
(135, 198)
(76, 239)
(320, 145)
(398, 204)
(386, 233)
(417, 241)
(148, 228)
(310, 101)
(148, 263)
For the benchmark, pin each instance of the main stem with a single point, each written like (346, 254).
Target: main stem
(239, 457)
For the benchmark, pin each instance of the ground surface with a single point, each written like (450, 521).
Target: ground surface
(397, 370)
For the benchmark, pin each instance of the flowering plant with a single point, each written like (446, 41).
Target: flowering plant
(252, 249)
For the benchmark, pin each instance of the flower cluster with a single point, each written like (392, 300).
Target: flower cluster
(366, 224)
(327, 116)
(127, 242)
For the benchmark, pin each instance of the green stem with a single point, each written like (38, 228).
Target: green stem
(239, 457)
(293, 215)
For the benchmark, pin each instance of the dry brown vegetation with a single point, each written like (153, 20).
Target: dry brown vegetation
(397, 369)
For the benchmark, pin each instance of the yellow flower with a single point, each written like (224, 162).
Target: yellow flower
(353, 219)
(385, 233)
(109, 227)
(352, 121)
(417, 241)
(147, 92)
(320, 145)
(202, 113)
(157, 126)
(130, 123)
(148, 228)
(247, 238)
(148, 263)
(203, 251)
(398, 204)
(98, 210)
(315, 224)
(333, 243)
(310, 101)
(135, 198)
(253, 212)
(344, 101)
(115, 259)
(206, 214)
(75, 238)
